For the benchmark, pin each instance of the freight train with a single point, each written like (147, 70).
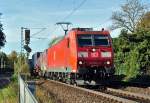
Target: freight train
(82, 56)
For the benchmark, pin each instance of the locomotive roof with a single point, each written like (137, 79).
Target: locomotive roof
(89, 30)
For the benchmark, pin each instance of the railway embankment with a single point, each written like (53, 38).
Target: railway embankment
(64, 93)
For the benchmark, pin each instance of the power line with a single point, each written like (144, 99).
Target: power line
(54, 29)
(74, 10)
(40, 38)
(42, 29)
(70, 14)
(102, 23)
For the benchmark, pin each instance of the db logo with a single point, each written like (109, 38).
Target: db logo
(94, 54)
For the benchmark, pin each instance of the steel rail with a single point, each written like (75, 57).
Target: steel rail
(128, 94)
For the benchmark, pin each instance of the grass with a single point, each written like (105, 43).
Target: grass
(9, 94)
(42, 97)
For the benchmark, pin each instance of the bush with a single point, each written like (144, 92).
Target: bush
(21, 66)
(132, 54)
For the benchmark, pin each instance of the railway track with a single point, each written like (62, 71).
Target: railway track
(140, 98)
(73, 94)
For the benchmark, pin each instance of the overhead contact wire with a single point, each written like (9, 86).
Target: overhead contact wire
(74, 10)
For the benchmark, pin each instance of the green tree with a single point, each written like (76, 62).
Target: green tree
(4, 56)
(132, 54)
(2, 35)
(12, 57)
(3, 60)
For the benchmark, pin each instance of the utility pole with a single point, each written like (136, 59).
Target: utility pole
(22, 41)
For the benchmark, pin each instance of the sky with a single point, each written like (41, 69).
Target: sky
(38, 14)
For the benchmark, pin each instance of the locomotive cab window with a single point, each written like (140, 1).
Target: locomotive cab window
(92, 40)
(100, 40)
(84, 40)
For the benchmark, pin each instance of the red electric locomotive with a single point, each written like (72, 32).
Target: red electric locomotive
(82, 55)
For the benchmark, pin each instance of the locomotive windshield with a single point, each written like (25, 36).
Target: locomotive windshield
(93, 40)
(101, 40)
(85, 40)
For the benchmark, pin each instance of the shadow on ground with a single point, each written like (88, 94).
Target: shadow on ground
(5, 79)
(140, 81)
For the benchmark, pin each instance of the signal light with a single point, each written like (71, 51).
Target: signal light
(27, 48)
(27, 36)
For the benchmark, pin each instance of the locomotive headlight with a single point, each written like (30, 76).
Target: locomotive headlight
(93, 50)
(80, 62)
(106, 54)
(108, 62)
(82, 54)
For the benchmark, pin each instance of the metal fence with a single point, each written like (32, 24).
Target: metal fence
(25, 94)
